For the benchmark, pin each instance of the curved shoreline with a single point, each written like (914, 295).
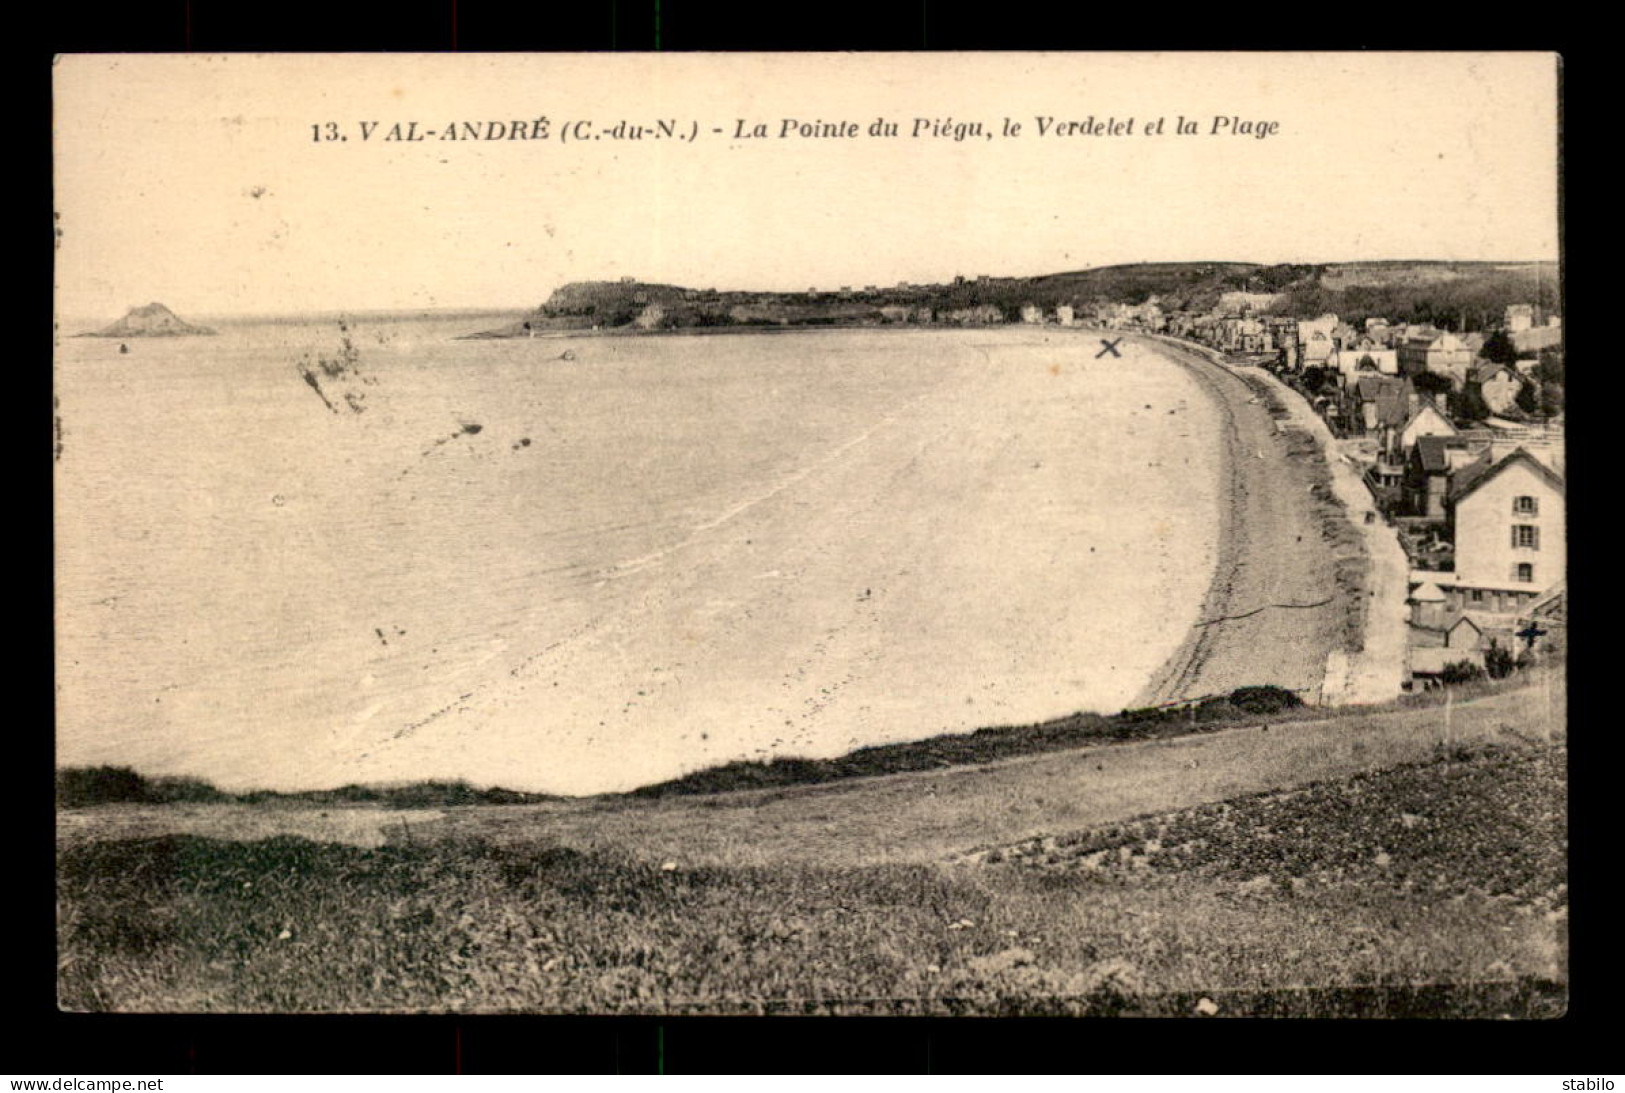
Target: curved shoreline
(1270, 555)
(1171, 681)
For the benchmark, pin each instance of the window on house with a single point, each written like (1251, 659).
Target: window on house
(1525, 537)
(1523, 573)
(1478, 595)
(1525, 506)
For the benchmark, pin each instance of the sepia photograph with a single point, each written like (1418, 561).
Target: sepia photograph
(823, 534)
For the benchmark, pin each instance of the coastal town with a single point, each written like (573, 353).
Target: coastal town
(1459, 437)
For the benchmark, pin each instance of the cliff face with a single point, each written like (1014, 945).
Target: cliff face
(637, 305)
(151, 321)
(608, 299)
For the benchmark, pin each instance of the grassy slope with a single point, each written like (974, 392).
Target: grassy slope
(1448, 872)
(925, 815)
(1434, 888)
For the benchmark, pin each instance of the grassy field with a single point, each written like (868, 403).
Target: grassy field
(1406, 881)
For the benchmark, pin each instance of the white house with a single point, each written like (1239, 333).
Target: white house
(1426, 420)
(1355, 360)
(1498, 384)
(1437, 351)
(1507, 517)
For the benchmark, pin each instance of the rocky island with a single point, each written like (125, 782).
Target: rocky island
(152, 321)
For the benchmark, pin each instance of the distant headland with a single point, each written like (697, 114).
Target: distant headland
(152, 321)
(1451, 294)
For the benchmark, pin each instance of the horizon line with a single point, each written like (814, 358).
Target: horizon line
(449, 309)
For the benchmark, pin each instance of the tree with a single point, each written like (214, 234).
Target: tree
(1431, 383)
(1316, 377)
(1264, 699)
(1470, 404)
(1551, 399)
(1499, 348)
(1461, 671)
(77, 787)
(1498, 660)
(1528, 401)
(1550, 368)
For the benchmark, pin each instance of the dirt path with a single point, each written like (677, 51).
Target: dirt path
(1271, 554)
(929, 816)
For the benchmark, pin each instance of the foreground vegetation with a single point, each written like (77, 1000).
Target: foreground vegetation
(1434, 888)
(84, 787)
(81, 787)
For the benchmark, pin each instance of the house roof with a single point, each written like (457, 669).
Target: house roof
(1423, 407)
(1464, 617)
(1391, 395)
(1467, 478)
(1393, 402)
(1484, 371)
(1434, 339)
(1433, 452)
(1428, 593)
(1477, 621)
(1482, 470)
(1550, 601)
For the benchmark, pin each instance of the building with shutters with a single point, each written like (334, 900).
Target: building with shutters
(1507, 520)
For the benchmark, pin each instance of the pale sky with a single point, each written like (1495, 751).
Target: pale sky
(196, 181)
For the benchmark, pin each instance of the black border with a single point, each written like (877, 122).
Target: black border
(45, 1042)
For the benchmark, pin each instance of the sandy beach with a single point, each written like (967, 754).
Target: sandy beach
(585, 575)
(1272, 559)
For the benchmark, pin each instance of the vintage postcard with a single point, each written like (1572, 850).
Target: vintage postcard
(1006, 533)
